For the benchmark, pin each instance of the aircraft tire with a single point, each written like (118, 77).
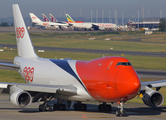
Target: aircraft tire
(118, 113)
(49, 108)
(42, 108)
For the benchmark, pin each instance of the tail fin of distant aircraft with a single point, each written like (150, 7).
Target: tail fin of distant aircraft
(34, 18)
(53, 19)
(70, 20)
(45, 18)
(24, 44)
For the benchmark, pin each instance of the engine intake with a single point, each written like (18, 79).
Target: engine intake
(21, 98)
(153, 98)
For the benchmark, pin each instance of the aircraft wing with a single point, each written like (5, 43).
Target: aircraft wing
(153, 84)
(10, 65)
(60, 89)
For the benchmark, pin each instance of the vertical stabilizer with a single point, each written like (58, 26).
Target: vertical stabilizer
(34, 18)
(53, 19)
(69, 19)
(45, 18)
(24, 44)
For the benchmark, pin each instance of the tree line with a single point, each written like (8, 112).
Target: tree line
(5, 24)
(162, 25)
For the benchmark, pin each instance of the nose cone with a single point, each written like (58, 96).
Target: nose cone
(128, 83)
(134, 84)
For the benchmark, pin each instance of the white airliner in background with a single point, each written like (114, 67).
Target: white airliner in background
(107, 79)
(89, 25)
(37, 21)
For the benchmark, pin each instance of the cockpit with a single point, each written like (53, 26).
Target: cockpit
(124, 63)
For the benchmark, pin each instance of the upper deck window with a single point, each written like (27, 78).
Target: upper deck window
(124, 63)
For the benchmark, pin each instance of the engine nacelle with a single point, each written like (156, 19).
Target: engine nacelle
(21, 98)
(153, 98)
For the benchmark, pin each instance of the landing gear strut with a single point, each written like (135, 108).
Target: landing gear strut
(45, 106)
(120, 111)
(105, 107)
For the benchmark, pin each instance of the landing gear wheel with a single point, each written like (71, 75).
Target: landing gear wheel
(42, 108)
(108, 108)
(59, 107)
(62, 107)
(123, 113)
(83, 107)
(76, 107)
(104, 107)
(54, 107)
(49, 108)
(118, 112)
(101, 107)
(80, 107)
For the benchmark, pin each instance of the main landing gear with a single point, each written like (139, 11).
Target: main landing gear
(80, 107)
(46, 107)
(120, 111)
(105, 107)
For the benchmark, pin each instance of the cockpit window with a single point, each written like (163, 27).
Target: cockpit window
(124, 63)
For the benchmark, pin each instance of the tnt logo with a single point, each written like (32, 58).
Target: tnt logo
(28, 74)
(20, 32)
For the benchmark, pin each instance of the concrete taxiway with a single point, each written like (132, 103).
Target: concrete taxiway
(133, 111)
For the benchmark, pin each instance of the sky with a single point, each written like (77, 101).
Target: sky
(83, 8)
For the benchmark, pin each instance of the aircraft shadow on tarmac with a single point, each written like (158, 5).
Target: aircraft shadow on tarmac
(142, 111)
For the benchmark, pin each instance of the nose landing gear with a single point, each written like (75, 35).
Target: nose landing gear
(120, 111)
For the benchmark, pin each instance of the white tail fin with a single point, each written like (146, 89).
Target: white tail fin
(53, 19)
(45, 18)
(24, 44)
(34, 18)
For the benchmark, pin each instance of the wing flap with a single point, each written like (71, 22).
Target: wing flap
(61, 89)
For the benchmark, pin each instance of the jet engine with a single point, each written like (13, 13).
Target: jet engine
(153, 98)
(21, 98)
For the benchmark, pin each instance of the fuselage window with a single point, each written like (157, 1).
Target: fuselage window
(124, 63)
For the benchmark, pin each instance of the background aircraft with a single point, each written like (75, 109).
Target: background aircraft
(37, 21)
(107, 79)
(95, 26)
(78, 24)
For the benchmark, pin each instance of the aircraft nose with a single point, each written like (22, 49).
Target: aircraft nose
(134, 84)
(128, 83)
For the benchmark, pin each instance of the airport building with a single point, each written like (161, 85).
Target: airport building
(150, 23)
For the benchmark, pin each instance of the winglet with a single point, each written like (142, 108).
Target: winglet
(69, 19)
(24, 44)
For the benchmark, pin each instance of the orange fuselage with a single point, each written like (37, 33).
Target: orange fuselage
(108, 81)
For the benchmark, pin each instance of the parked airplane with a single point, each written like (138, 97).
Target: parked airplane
(107, 79)
(37, 21)
(45, 18)
(96, 26)
(78, 24)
